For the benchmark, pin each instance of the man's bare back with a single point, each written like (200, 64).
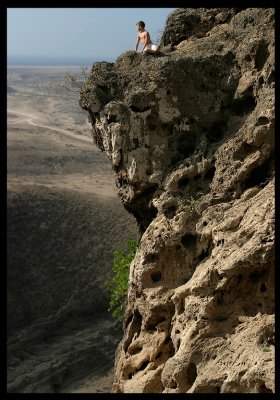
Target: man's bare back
(145, 39)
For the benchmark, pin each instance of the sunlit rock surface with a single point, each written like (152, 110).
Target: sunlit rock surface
(190, 135)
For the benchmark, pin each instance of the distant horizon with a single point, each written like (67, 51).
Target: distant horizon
(44, 61)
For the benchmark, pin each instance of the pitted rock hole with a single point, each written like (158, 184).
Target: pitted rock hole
(138, 109)
(188, 240)
(170, 212)
(244, 105)
(216, 131)
(156, 276)
(264, 389)
(183, 182)
(209, 175)
(262, 121)
(191, 373)
(186, 143)
(259, 176)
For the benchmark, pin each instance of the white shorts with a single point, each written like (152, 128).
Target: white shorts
(151, 46)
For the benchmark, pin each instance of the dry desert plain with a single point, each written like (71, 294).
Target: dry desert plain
(64, 222)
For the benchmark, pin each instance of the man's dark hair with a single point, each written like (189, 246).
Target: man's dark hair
(142, 23)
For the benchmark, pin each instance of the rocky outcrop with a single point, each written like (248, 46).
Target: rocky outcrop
(190, 135)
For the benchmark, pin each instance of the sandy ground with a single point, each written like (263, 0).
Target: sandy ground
(64, 223)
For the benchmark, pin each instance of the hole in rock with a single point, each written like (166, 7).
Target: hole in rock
(205, 223)
(136, 350)
(130, 375)
(158, 355)
(134, 329)
(112, 118)
(248, 58)
(244, 105)
(202, 255)
(156, 276)
(259, 176)
(264, 389)
(183, 182)
(186, 143)
(216, 131)
(139, 109)
(220, 242)
(171, 352)
(191, 373)
(137, 321)
(142, 209)
(173, 384)
(143, 365)
(178, 343)
(155, 319)
(188, 240)
(167, 340)
(129, 319)
(261, 80)
(263, 288)
(271, 340)
(170, 212)
(262, 121)
(210, 173)
(149, 171)
(261, 56)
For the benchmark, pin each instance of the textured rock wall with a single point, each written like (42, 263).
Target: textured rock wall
(190, 135)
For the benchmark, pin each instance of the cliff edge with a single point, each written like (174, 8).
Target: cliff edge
(190, 135)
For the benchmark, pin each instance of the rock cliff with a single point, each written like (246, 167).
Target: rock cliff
(190, 135)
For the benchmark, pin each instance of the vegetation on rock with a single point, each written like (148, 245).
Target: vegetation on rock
(118, 284)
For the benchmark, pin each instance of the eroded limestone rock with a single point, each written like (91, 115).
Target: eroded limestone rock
(190, 135)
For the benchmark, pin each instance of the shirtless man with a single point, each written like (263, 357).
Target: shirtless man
(144, 36)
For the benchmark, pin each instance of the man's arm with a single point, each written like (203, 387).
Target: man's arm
(137, 42)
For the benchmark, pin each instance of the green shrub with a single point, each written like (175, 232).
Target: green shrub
(118, 284)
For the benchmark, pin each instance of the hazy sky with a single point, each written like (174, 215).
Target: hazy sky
(79, 32)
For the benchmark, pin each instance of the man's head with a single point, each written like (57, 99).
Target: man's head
(140, 25)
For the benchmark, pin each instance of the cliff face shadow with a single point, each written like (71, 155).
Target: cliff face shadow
(64, 222)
